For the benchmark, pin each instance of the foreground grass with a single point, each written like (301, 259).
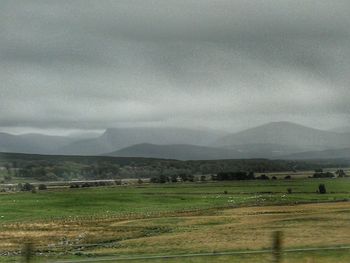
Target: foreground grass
(299, 257)
(179, 218)
(238, 229)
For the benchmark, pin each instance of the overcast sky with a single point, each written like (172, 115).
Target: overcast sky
(89, 65)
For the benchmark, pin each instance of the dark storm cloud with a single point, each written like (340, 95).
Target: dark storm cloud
(220, 64)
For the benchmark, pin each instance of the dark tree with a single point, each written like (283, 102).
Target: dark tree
(27, 187)
(340, 173)
(173, 178)
(154, 180)
(190, 178)
(322, 189)
(42, 187)
(323, 175)
(163, 179)
(229, 176)
(263, 177)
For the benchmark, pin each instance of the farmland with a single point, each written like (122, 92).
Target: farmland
(179, 218)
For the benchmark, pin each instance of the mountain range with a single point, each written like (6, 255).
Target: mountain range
(277, 140)
(32, 143)
(115, 139)
(177, 151)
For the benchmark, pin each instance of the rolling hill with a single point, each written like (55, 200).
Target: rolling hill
(325, 154)
(177, 151)
(288, 136)
(114, 139)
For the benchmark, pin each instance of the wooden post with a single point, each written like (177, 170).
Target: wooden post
(277, 246)
(27, 252)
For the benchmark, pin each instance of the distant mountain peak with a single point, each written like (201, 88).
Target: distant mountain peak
(284, 124)
(289, 134)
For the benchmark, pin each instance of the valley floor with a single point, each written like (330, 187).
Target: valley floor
(180, 219)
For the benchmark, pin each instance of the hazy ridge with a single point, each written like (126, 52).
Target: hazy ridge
(273, 140)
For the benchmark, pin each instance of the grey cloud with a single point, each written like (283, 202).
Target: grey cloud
(219, 64)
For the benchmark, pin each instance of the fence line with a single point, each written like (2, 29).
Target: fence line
(251, 252)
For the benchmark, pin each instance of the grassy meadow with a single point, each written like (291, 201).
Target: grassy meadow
(153, 219)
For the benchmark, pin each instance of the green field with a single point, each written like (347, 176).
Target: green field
(153, 219)
(125, 200)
